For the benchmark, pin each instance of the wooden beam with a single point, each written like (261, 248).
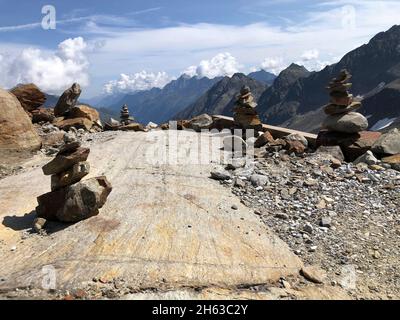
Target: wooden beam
(276, 132)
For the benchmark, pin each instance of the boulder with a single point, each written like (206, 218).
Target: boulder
(84, 111)
(77, 123)
(352, 145)
(202, 122)
(74, 203)
(68, 100)
(16, 129)
(29, 96)
(220, 174)
(53, 139)
(264, 139)
(297, 137)
(388, 144)
(367, 158)
(352, 122)
(71, 176)
(63, 162)
(334, 151)
(42, 115)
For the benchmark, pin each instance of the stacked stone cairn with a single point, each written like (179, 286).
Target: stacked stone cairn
(340, 111)
(72, 200)
(125, 117)
(245, 114)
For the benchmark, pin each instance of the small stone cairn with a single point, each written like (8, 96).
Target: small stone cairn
(71, 200)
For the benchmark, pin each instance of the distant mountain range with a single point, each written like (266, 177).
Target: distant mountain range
(293, 99)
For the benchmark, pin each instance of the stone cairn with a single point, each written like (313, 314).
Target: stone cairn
(340, 111)
(125, 117)
(72, 200)
(245, 114)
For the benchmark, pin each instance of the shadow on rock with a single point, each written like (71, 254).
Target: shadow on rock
(26, 222)
(20, 223)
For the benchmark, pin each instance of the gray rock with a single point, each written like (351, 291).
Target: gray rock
(63, 162)
(367, 158)
(71, 176)
(239, 183)
(68, 100)
(258, 180)
(352, 122)
(334, 151)
(202, 122)
(297, 137)
(220, 174)
(74, 203)
(388, 143)
(326, 222)
(236, 163)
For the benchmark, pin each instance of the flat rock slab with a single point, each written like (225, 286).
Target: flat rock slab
(163, 225)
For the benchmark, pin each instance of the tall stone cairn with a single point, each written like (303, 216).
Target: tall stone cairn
(245, 114)
(71, 200)
(340, 110)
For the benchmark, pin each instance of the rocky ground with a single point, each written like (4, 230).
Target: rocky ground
(344, 220)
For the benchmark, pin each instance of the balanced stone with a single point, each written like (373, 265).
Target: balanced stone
(68, 100)
(71, 176)
(63, 162)
(352, 122)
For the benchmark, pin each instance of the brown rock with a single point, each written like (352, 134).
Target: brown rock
(264, 139)
(295, 146)
(62, 163)
(84, 111)
(78, 123)
(352, 145)
(16, 129)
(68, 100)
(71, 176)
(29, 96)
(69, 147)
(42, 115)
(74, 203)
(333, 109)
(392, 159)
(313, 274)
(133, 127)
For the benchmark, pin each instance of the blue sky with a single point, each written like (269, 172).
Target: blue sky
(134, 45)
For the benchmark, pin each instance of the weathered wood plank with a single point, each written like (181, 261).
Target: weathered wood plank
(277, 132)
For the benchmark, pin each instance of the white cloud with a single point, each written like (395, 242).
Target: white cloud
(310, 55)
(137, 82)
(273, 65)
(223, 64)
(53, 72)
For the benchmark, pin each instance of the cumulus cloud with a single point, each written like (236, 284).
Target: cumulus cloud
(273, 65)
(53, 72)
(137, 82)
(311, 60)
(223, 64)
(310, 55)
